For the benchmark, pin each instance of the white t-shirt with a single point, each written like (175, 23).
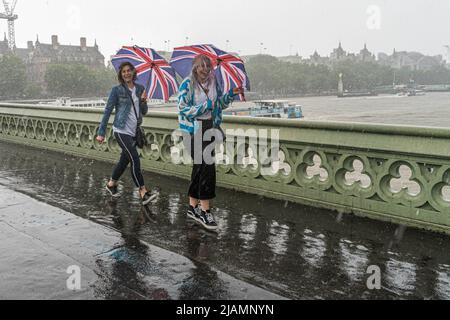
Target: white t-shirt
(200, 97)
(131, 124)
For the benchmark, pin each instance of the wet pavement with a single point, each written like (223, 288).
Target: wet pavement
(42, 244)
(264, 248)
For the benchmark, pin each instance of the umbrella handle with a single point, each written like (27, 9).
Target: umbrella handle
(148, 82)
(243, 93)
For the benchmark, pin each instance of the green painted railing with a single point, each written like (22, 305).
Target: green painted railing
(391, 173)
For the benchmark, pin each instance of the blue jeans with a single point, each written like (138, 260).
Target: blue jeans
(129, 154)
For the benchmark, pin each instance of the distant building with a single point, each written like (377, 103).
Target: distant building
(365, 55)
(338, 54)
(292, 59)
(316, 59)
(39, 55)
(248, 58)
(411, 60)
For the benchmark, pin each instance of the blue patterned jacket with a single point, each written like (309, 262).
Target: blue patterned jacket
(189, 111)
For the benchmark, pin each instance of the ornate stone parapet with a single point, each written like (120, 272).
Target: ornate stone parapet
(392, 173)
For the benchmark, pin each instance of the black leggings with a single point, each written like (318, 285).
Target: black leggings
(129, 154)
(203, 178)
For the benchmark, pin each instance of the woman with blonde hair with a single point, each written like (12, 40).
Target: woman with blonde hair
(200, 105)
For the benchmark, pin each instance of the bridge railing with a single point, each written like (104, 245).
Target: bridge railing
(392, 173)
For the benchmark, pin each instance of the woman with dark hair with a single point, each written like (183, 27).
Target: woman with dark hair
(130, 101)
(200, 105)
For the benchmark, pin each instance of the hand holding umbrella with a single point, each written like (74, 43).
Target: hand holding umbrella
(238, 91)
(144, 98)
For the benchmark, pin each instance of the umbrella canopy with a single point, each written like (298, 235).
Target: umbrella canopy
(229, 69)
(153, 71)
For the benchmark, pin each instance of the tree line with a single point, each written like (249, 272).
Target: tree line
(75, 80)
(72, 80)
(268, 76)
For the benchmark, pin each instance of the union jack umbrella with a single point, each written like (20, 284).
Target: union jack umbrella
(153, 71)
(229, 69)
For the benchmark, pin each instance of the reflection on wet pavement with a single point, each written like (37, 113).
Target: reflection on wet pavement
(42, 244)
(292, 250)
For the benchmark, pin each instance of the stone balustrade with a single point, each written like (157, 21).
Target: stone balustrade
(392, 173)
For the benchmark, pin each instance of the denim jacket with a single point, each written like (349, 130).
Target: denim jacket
(120, 99)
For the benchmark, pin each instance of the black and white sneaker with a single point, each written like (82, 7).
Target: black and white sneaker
(113, 191)
(194, 213)
(148, 197)
(207, 220)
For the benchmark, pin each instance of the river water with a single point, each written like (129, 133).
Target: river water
(433, 109)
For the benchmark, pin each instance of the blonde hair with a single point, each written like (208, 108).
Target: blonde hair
(199, 60)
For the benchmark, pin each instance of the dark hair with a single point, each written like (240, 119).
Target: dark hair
(119, 73)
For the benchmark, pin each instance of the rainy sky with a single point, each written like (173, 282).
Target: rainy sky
(280, 27)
